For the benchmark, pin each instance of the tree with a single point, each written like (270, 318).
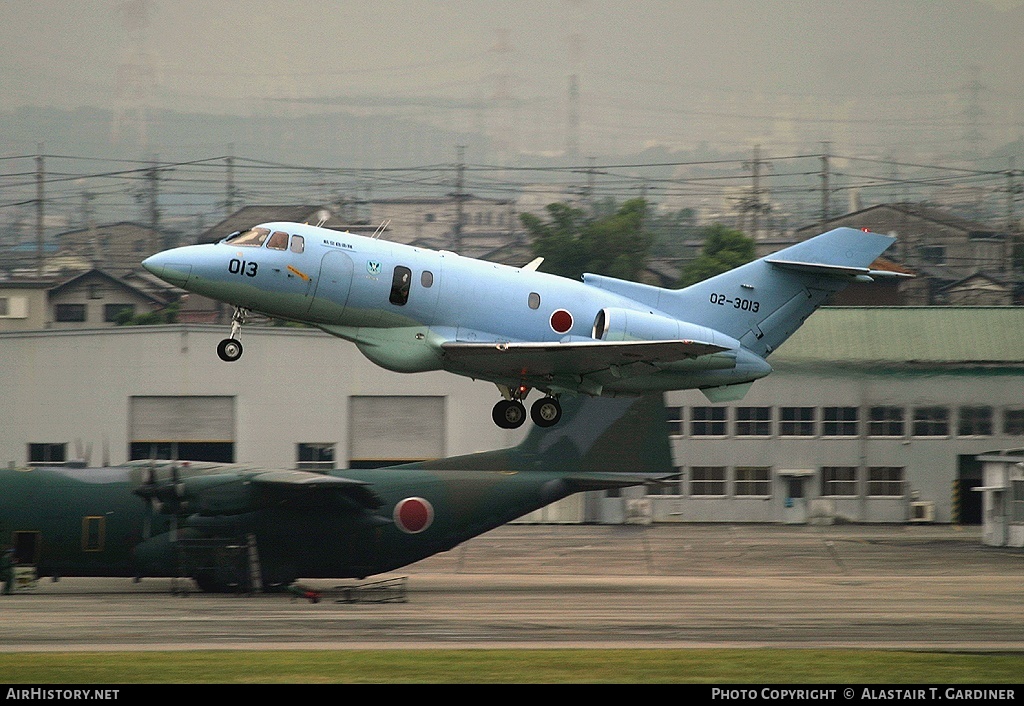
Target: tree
(572, 243)
(724, 249)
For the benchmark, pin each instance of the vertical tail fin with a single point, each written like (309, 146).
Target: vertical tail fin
(595, 435)
(763, 302)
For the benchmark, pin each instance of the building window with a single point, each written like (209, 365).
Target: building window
(840, 421)
(47, 454)
(707, 480)
(428, 217)
(707, 421)
(839, 480)
(931, 421)
(118, 313)
(69, 312)
(796, 421)
(5, 307)
(932, 254)
(885, 481)
(753, 421)
(975, 421)
(1017, 501)
(315, 457)
(675, 420)
(753, 480)
(1013, 422)
(885, 421)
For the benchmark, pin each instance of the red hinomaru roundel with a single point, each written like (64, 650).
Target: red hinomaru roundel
(561, 321)
(413, 515)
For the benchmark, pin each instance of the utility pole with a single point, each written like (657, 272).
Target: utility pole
(40, 174)
(755, 204)
(153, 177)
(459, 170)
(826, 193)
(230, 193)
(1012, 189)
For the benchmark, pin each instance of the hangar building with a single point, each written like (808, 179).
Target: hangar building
(872, 414)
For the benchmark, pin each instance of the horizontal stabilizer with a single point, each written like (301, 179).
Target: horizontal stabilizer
(608, 481)
(814, 268)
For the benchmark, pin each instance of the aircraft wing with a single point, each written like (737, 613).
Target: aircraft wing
(291, 484)
(574, 358)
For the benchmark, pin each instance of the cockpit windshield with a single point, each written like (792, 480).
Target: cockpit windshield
(252, 238)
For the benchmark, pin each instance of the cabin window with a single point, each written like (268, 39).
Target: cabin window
(427, 279)
(534, 300)
(93, 533)
(278, 241)
(252, 238)
(298, 243)
(400, 285)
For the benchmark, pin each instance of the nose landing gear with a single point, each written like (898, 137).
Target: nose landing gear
(230, 349)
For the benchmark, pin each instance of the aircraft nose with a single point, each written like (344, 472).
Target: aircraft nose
(163, 265)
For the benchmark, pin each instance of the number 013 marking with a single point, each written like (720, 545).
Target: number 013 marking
(241, 267)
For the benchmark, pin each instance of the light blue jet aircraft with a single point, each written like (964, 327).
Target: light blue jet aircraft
(411, 309)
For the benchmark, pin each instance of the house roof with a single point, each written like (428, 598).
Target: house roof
(908, 337)
(72, 281)
(915, 210)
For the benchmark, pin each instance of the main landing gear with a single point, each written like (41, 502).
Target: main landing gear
(510, 413)
(230, 349)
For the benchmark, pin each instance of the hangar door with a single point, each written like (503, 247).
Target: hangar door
(193, 428)
(395, 429)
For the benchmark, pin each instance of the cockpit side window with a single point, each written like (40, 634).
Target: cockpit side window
(298, 243)
(278, 241)
(252, 238)
(400, 285)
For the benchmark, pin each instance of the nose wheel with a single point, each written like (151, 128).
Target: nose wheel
(230, 349)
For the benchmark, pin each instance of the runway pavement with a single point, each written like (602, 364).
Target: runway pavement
(920, 587)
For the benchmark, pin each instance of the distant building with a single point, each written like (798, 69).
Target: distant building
(89, 299)
(117, 248)
(945, 251)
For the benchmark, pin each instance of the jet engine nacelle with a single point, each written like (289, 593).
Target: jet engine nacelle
(613, 324)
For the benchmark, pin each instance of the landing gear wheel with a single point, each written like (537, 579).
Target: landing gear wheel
(229, 350)
(546, 412)
(509, 414)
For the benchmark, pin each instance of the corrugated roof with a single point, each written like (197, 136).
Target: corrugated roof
(934, 335)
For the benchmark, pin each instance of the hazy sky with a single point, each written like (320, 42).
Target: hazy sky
(868, 72)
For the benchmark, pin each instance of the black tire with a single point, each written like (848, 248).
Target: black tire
(509, 414)
(229, 350)
(546, 412)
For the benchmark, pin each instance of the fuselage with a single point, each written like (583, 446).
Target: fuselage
(400, 303)
(90, 522)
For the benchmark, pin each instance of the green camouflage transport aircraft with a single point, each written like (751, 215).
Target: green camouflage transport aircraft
(215, 522)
